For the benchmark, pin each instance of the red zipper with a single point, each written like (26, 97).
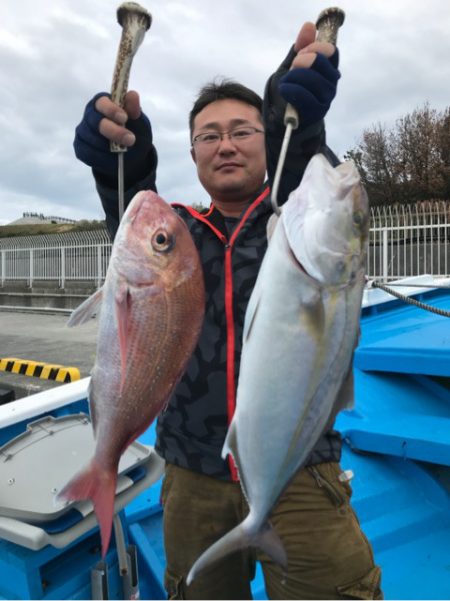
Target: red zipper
(231, 339)
(229, 314)
(231, 343)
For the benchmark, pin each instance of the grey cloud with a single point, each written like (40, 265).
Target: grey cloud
(394, 57)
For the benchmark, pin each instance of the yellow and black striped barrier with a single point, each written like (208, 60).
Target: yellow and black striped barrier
(46, 371)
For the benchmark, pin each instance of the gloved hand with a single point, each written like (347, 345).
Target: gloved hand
(92, 147)
(307, 78)
(311, 90)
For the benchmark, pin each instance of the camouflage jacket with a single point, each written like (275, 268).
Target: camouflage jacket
(192, 430)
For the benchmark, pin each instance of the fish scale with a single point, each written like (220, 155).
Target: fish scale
(152, 308)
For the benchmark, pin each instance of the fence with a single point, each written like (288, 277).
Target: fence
(80, 256)
(409, 240)
(404, 241)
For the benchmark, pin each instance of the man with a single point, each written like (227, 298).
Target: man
(234, 139)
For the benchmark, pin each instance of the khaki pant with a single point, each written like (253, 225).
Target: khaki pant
(329, 557)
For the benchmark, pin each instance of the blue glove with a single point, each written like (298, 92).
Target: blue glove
(92, 147)
(311, 90)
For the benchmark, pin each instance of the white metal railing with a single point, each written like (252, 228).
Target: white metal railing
(79, 256)
(392, 255)
(405, 241)
(86, 263)
(409, 240)
(80, 238)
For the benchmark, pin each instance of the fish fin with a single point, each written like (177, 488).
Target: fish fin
(99, 486)
(86, 310)
(346, 395)
(345, 398)
(92, 403)
(312, 312)
(230, 441)
(240, 538)
(123, 307)
(234, 540)
(252, 310)
(230, 448)
(271, 225)
(268, 541)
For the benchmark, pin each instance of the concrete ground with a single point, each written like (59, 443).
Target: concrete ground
(44, 337)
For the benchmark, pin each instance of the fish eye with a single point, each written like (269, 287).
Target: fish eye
(358, 217)
(162, 241)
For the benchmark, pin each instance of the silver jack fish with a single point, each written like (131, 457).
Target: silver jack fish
(300, 331)
(152, 307)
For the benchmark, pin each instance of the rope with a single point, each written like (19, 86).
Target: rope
(409, 300)
(427, 286)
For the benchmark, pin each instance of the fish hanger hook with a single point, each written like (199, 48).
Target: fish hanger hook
(328, 23)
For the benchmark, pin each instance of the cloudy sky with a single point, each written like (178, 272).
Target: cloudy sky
(56, 54)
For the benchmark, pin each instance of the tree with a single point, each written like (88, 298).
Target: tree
(198, 207)
(409, 163)
(443, 136)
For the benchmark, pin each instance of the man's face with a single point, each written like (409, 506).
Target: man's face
(229, 169)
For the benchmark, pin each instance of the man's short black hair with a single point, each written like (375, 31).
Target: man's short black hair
(223, 90)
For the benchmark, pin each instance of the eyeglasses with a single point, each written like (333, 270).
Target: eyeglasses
(240, 134)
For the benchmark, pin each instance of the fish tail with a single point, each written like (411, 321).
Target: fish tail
(241, 537)
(98, 485)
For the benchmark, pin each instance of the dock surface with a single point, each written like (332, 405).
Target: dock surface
(46, 338)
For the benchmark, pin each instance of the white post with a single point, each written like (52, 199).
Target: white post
(3, 267)
(31, 267)
(385, 254)
(63, 267)
(99, 265)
